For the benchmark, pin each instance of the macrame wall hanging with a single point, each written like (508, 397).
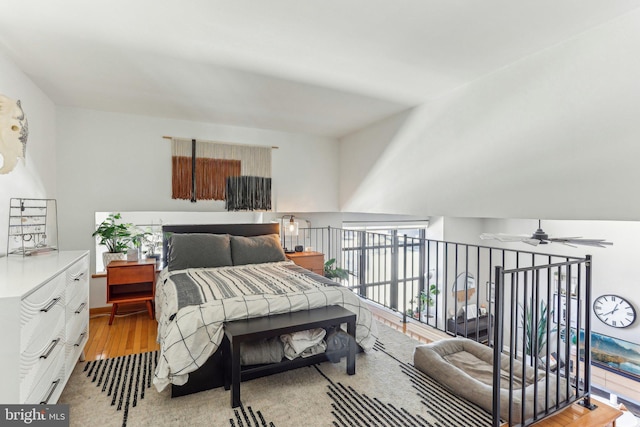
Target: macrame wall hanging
(238, 174)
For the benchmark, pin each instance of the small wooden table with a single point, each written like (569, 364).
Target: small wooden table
(313, 261)
(131, 282)
(239, 331)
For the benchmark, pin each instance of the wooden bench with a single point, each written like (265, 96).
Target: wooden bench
(239, 331)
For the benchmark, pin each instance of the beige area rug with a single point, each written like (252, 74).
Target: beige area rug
(386, 391)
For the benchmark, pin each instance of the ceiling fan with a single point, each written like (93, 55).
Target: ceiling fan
(539, 237)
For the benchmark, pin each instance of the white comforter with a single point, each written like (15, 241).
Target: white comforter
(188, 335)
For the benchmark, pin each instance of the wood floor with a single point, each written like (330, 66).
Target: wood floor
(130, 333)
(136, 333)
(578, 416)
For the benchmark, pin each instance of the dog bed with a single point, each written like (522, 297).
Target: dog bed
(465, 367)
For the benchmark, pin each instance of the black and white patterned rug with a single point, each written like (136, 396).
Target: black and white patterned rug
(386, 391)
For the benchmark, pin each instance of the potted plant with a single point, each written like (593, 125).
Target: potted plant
(137, 238)
(535, 334)
(427, 298)
(153, 242)
(333, 272)
(115, 236)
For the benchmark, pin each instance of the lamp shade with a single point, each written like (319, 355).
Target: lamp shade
(292, 228)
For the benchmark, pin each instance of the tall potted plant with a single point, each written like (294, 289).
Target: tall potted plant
(115, 235)
(536, 334)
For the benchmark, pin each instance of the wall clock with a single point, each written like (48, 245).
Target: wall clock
(614, 310)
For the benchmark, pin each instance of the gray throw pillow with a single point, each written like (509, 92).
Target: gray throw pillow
(256, 250)
(198, 250)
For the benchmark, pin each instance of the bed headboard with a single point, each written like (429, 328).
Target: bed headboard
(246, 230)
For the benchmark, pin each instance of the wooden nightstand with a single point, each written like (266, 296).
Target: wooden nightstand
(313, 261)
(131, 282)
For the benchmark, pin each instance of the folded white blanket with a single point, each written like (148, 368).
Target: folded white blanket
(304, 343)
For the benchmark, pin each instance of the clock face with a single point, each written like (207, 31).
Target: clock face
(614, 311)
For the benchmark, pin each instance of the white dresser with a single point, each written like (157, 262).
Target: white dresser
(44, 323)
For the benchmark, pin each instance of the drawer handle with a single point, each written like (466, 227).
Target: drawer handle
(80, 308)
(53, 345)
(78, 276)
(77, 344)
(52, 389)
(50, 305)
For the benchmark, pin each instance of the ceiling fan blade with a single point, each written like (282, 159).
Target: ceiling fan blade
(503, 237)
(569, 238)
(571, 241)
(532, 242)
(488, 236)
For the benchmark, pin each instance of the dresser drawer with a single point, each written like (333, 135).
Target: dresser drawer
(40, 312)
(76, 323)
(36, 362)
(77, 278)
(79, 271)
(76, 341)
(48, 389)
(77, 303)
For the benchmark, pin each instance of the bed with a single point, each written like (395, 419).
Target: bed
(465, 367)
(217, 273)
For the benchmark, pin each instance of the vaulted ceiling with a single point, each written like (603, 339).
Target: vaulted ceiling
(325, 67)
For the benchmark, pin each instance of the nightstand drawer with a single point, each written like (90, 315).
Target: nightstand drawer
(134, 274)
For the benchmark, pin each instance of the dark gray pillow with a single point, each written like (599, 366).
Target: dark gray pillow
(198, 250)
(256, 250)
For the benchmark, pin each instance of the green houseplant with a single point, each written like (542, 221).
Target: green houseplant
(334, 272)
(153, 242)
(115, 235)
(535, 334)
(426, 299)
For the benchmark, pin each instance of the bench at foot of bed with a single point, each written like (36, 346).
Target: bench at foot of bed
(239, 331)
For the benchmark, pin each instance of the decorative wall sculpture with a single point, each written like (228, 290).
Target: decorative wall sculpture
(14, 131)
(206, 170)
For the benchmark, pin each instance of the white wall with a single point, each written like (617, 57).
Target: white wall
(554, 135)
(35, 177)
(111, 162)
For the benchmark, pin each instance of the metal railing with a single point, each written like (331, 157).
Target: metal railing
(555, 339)
(529, 303)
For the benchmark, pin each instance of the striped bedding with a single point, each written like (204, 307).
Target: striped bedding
(192, 304)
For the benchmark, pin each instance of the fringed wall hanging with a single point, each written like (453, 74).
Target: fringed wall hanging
(238, 174)
(182, 170)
